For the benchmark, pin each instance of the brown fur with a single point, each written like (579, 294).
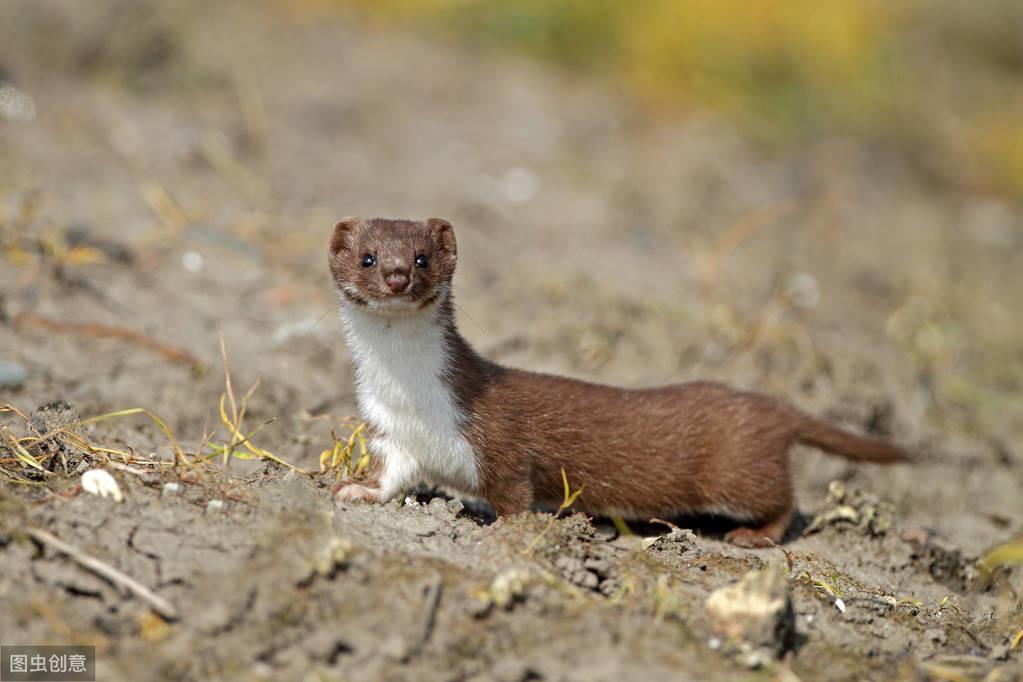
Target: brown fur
(694, 448)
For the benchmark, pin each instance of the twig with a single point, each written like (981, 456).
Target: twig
(433, 592)
(171, 353)
(159, 604)
(163, 206)
(127, 469)
(744, 228)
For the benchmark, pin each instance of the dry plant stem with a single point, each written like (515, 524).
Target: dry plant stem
(20, 447)
(229, 388)
(429, 616)
(171, 353)
(568, 501)
(748, 225)
(163, 206)
(233, 421)
(159, 604)
(179, 455)
(127, 469)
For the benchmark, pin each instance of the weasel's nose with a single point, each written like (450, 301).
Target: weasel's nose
(396, 281)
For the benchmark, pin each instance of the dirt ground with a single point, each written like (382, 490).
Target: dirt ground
(198, 155)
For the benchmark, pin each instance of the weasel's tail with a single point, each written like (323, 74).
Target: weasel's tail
(821, 434)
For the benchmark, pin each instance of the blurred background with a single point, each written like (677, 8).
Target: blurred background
(816, 199)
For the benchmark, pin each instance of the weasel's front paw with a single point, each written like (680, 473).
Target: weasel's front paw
(353, 492)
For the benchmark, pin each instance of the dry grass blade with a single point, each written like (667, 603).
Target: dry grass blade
(216, 149)
(433, 593)
(339, 458)
(233, 421)
(1007, 554)
(569, 498)
(163, 206)
(620, 525)
(229, 392)
(19, 451)
(23, 448)
(179, 455)
(232, 415)
(748, 225)
(171, 353)
(159, 604)
(250, 101)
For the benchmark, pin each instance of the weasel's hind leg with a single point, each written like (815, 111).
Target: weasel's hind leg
(765, 535)
(511, 497)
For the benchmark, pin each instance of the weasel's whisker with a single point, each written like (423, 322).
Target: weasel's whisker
(318, 320)
(471, 318)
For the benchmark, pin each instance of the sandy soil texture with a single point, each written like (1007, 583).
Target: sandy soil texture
(171, 170)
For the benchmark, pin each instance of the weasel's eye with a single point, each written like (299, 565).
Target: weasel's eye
(422, 262)
(369, 260)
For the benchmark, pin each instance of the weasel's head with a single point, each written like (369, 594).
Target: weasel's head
(393, 267)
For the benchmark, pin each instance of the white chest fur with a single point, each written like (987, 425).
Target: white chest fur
(399, 365)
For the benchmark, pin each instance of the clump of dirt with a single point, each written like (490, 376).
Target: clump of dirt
(857, 509)
(58, 452)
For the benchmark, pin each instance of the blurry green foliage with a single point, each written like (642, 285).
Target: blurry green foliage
(941, 78)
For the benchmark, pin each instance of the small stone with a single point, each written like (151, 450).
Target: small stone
(572, 570)
(12, 375)
(332, 556)
(755, 615)
(101, 483)
(507, 588)
(215, 506)
(193, 261)
(171, 489)
(394, 647)
(567, 564)
(1000, 652)
(585, 579)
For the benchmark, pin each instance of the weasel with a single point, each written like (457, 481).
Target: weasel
(436, 410)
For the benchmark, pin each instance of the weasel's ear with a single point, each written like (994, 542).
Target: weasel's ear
(342, 230)
(444, 235)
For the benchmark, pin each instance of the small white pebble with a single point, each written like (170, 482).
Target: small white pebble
(192, 261)
(809, 619)
(410, 501)
(171, 488)
(714, 643)
(100, 482)
(840, 605)
(214, 506)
